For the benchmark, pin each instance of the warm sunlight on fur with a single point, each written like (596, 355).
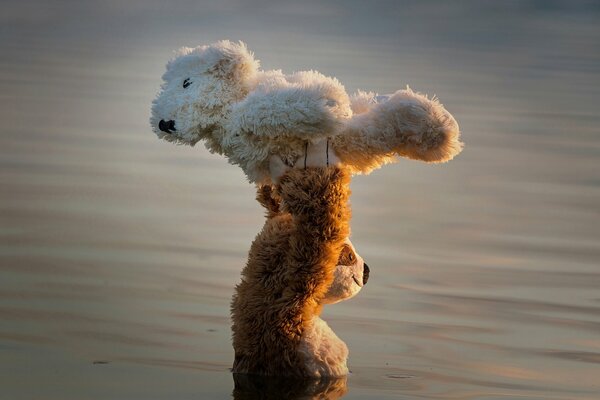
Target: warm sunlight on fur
(300, 261)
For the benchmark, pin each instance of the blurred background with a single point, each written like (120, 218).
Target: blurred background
(119, 252)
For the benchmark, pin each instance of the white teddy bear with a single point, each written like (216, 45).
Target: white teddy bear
(219, 94)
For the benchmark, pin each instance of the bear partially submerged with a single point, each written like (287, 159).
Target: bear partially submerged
(267, 122)
(301, 260)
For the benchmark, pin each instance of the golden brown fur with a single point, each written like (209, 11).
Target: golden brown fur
(290, 267)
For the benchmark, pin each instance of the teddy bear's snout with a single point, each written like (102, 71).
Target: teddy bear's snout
(366, 271)
(167, 126)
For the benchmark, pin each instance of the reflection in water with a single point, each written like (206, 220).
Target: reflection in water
(252, 387)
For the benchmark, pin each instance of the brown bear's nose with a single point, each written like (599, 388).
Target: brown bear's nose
(167, 126)
(366, 274)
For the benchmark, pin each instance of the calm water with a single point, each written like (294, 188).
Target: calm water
(119, 253)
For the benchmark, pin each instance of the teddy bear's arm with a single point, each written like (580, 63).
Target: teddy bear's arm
(404, 124)
(284, 112)
(317, 199)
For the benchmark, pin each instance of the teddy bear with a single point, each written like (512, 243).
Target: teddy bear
(218, 94)
(302, 260)
(299, 137)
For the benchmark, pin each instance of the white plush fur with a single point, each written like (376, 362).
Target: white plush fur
(361, 101)
(347, 281)
(220, 75)
(249, 115)
(324, 353)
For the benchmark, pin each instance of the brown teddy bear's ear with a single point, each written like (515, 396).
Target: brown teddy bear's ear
(406, 124)
(269, 199)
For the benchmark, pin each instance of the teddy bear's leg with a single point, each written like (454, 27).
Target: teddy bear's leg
(404, 124)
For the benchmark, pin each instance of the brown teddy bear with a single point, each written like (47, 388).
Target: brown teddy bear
(301, 260)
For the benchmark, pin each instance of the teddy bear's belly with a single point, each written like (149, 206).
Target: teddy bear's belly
(324, 353)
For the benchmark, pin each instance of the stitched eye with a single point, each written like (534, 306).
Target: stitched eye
(186, 83)
(347, 256)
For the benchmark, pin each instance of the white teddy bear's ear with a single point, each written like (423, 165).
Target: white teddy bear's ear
(224, 60)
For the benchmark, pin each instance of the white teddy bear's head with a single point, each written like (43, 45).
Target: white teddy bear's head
(199, 86)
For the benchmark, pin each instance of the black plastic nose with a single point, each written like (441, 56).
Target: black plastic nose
(167, 126)
(366, 271)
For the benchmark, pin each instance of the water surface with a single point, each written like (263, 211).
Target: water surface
(119, 253)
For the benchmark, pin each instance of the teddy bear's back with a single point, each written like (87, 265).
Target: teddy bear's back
(265, 338)
(279, 116)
